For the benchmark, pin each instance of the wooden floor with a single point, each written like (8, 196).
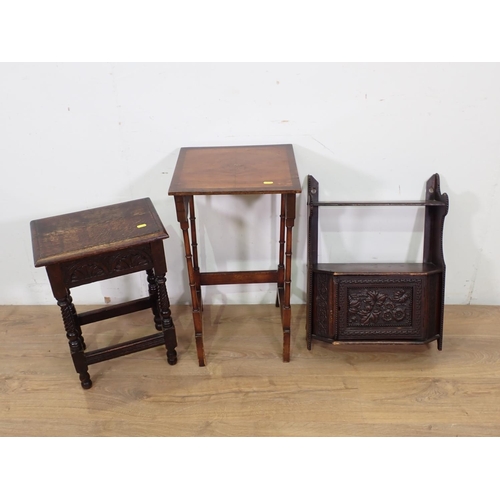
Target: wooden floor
(246, 389)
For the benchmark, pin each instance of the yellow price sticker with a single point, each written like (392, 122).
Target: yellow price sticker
(139, 226)
(268, 182)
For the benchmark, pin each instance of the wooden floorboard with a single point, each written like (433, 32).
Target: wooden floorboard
(246, 389)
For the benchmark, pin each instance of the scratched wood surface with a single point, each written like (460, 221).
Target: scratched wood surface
(246, 389)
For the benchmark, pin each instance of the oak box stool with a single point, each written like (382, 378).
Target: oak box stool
(98, 244)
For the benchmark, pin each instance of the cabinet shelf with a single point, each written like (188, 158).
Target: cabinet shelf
(378, 303)
(363, 269)
(423, 203)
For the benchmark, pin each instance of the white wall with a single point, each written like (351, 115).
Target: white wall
(76, 136)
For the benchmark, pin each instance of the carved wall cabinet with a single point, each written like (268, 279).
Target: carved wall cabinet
(378, 303)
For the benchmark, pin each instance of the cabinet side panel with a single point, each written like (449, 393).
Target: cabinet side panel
(433, 314)
(322, 306)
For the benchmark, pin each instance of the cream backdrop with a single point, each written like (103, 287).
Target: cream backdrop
(81, 135)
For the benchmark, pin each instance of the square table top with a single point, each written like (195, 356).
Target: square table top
(269, 169)
(94, 231)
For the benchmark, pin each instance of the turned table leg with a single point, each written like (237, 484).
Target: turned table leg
(281, 264)
(194, 246)
(286, 311)
(181, 205)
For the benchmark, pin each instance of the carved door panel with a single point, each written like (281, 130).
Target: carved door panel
(380, 308)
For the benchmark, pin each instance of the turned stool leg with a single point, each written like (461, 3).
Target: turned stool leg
(73, 310)
(153, 294)
(166, 319)
(157, 281)
(75, 339)
(71, 324)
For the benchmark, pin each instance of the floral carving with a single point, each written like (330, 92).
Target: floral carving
(399, 315)
(373, 306)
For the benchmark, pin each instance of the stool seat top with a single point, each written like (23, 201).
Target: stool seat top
(269, 169)
(95, 231)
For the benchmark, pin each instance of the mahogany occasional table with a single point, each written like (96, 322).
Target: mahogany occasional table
(237, 170)
(98, 244)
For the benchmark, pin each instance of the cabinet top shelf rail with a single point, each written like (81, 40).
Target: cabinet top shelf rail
(418, 203)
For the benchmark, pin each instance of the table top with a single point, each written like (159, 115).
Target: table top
(267, 169)
(91, 232)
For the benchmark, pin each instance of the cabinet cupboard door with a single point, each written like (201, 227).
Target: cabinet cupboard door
(380, 308)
